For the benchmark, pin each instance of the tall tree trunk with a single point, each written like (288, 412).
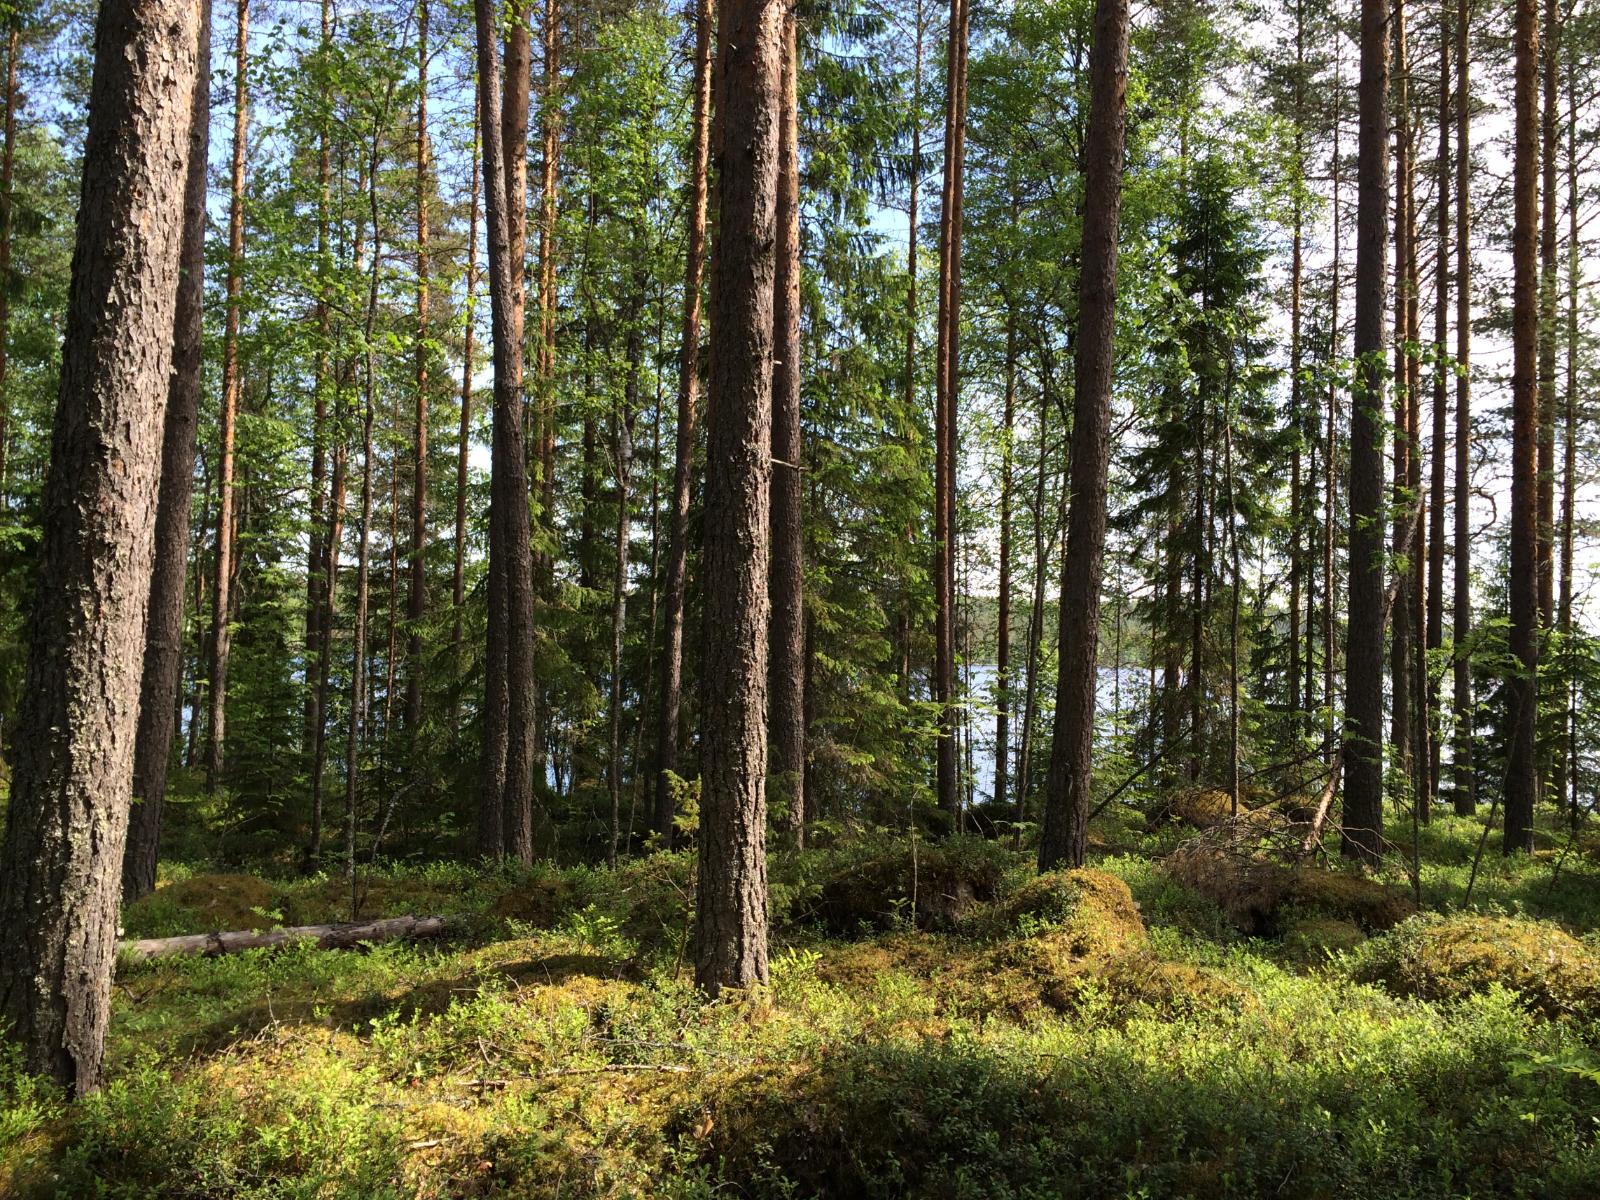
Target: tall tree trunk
(1464, 792)
(1400, 645)
(549, 182)
(786, 670)
(506, 797)
(1549, 270)
(1066, 816)
(1002, 718)
(8, 155)
(947, 368)
(317, 620)
(60, 865)
(464, 435)
(358, 650)
(1296, 363)
(417, 594)
(1330, 584)
(222, 589)
(1549, 131)
(672, 598)
(1567, 752)
(915, 194)
(1035, 620)
(1441, 434)
(163, 648)
(1363, 731)
(622, 455)
(1521, 685)
(731, 909)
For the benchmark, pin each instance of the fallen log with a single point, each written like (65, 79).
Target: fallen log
(327, 937)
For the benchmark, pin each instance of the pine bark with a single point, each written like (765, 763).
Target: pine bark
(947, 376)
(1566, 761)
(1463, 785)
(1521, 684)
(668, 712)
(8, 154)
(786, 670)
(1400, 643)
(506, 794)
(60, 865)
(163, 649)
(417, 591)
(1363, 729)
(458, 591)
(1002, 719)
(731, 911)
(1066, 817)
(1441, 415)
(222, 587)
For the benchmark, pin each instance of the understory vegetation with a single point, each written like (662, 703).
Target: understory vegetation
(940, 1022)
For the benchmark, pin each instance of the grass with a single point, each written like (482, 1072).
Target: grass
(1104, 1033)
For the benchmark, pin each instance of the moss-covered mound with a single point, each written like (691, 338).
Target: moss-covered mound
(1201, 807)
(933, 885)
(1450, 958)
(1312, 941)
(205, 904)
(1264, 897)
(1085, 911)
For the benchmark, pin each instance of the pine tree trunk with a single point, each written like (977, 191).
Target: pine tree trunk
(1400, 644)
(1002, 719)
(1296, 365)
(947, 375)
(163, 649)
(1330, 590)
(458, 592)
(1363, 731)
(8, 154)
(731, 908)
(1549, 132)
(1066, 816)
(673, 591)
(417, 593)
(550, 105)
(1441, 433)
(622, 455)
(317, 619)
(786, 670)
(1566, 772)
(358, 650)
(60, 865)
(1463, 786)
(1521, 685)
(221, 591)
(506, 796)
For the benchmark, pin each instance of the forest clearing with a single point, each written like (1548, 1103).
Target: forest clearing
(841, 598)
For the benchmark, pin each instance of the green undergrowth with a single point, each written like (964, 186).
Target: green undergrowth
(939, 1023)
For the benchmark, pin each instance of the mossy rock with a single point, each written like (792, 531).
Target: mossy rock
(1202, 808)
(1263, 897)
(208, 904)
(1369, 905)
(933, 885)
(1444, 959)
(1087, 911)
(1312, 941)
(540, 902)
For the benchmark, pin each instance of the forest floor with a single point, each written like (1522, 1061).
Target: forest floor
(952, 1029)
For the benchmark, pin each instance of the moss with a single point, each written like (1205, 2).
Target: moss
(1312, 941)
(1088, 911)
(1201, 807)
(1447, 959)
(1263, 897)
(204, 904)
(931, 885)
